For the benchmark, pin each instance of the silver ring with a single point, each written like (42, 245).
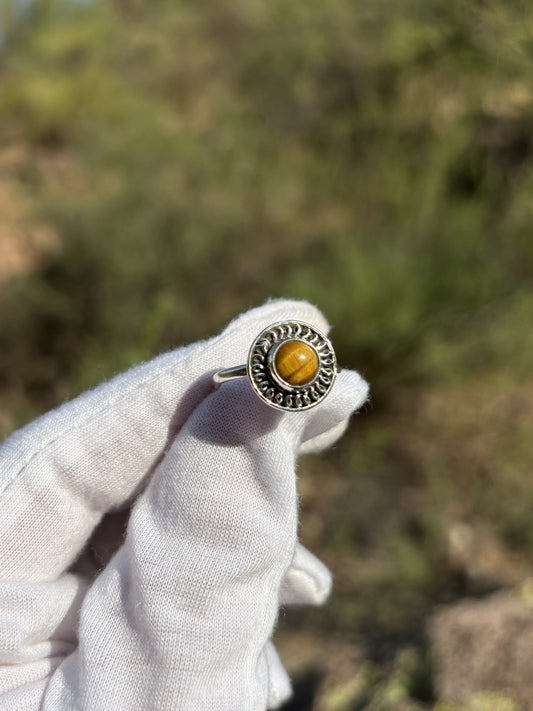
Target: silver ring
(291, 366)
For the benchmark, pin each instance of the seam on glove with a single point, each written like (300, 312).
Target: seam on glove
(85, 417)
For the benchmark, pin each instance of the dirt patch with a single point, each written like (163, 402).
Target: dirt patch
(473, 445)
(484, 645)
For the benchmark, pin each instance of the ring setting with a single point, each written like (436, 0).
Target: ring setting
(291, 366)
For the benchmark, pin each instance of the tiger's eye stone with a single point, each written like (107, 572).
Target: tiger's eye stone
(296, 362)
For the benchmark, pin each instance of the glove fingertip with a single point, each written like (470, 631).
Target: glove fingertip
(350, 390)
(307, 582)
(280, 689)
(331, 418)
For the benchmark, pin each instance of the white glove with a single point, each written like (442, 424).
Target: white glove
(181, 616)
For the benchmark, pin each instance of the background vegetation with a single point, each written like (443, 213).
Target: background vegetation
(163, 166)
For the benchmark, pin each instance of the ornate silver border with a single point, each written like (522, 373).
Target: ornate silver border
(270, 387)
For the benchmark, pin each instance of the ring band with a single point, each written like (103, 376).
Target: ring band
(291, 366)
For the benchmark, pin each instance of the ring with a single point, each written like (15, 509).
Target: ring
(291, 366)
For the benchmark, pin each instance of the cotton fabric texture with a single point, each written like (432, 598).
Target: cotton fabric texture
(181, 615)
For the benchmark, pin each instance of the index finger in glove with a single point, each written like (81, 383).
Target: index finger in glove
(60, 474)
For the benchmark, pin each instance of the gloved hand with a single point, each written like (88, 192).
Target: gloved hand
(182, 614)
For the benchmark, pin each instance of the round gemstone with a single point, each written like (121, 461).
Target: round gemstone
(296, 363)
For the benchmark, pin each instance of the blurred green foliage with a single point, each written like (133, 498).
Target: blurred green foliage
(373, 157)
(370, 689)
